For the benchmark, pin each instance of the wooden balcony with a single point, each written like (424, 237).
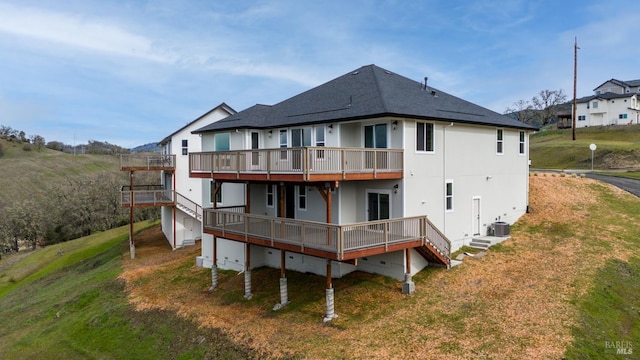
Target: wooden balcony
(303, 164)
(331, 241)
(147, 162)
(146, 195)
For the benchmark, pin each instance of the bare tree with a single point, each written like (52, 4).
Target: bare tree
(522, 111)
(547, 102)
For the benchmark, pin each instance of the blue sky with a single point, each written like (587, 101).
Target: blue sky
(132, 72)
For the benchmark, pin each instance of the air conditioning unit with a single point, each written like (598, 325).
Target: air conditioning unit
(500, 228)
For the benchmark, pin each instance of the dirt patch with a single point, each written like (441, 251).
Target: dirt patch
(516, 302)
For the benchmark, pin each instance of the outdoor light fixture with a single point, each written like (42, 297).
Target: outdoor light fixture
(270, 133)
(395, 124)
(330, 127)
(395, 188)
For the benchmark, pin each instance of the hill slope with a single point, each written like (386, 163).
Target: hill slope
(23, 174)
(71, 305)
(564, 285)
(618, 147)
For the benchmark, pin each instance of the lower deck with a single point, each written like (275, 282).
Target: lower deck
(331, 241)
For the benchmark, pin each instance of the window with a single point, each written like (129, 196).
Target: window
(185, 147)
(378, 205)
(218, 196)
(582, 117)
(283, 144)
(499, 141)
(448, 196)
(270, 195)
(622, 116)
(320, 141)
(375, 136)
(598, 92)
(522, 143)
(594, 104)
(302, 197)
(424, 137)
(300, 137)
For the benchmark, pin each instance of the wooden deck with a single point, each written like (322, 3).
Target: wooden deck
(147, 162)
(146, 196)
(331, 241)
(304, 164)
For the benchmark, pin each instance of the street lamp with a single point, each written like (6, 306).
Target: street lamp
(593, 148)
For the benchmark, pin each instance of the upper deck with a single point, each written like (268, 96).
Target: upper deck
(301, 164)
(147, 162)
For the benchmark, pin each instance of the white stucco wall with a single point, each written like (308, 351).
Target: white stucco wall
(464, 154)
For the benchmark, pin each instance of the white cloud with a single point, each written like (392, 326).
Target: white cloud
(77, 31)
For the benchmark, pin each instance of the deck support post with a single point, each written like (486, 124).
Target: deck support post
(408, 287)
(132, 246)
(330, 315)
(247, 272)
(284, 297)
(214, 266)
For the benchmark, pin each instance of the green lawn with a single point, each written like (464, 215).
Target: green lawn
(73, 306)
(555, 149)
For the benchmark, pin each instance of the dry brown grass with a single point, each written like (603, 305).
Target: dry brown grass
(517, 302)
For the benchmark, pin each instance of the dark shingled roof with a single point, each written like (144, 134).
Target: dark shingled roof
(629, 83)
(605, 96)
(368, 92)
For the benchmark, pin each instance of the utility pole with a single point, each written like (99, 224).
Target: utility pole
(575, 82)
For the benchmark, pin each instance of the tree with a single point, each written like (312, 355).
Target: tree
(547, 103)
(37, 141)
(542, 109)
(522, 111)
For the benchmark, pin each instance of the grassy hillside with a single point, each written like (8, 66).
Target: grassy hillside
(71, 305)
(564, 286)
(618, 148)
(23, 173)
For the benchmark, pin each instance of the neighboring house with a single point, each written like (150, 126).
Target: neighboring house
(370, 171)
(615, 102)
(618, 87)
(182, 221)
(608, 109)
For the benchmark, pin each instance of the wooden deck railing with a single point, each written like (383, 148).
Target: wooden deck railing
(147, 161)
(146, 195)
(333, 238)
(302, 160)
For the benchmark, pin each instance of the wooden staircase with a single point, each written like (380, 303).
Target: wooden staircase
(437, 247)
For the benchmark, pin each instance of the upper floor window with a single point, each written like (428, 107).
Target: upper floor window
(283, 144)
(302, 197)
(300, 137)
(424, 137)
(522, 147)
(499, 141)
(270, 195)
(320, 141)
(213, 195)
(185, 147)
(375, 136)
(594, 104)
(582, 117)
(622, 116)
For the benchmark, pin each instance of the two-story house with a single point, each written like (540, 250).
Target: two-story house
(182, 220)
(614, 102)
(370, 171)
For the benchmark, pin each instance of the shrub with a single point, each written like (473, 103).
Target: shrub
(26, 147)
(1, 150)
